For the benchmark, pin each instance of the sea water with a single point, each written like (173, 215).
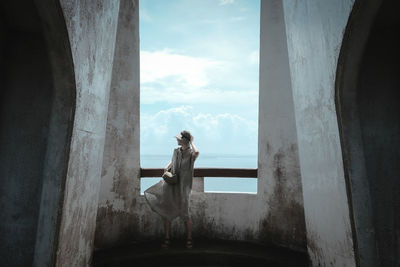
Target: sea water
(211, 184)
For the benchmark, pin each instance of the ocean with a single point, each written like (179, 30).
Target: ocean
(211, 184)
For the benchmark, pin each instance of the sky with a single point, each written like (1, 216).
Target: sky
(199, 68)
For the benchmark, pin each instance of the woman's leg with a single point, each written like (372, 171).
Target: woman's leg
(189, 233)
(167, 228)
(189, 228)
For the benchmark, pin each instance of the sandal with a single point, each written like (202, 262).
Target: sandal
(165, 244)
(189, 243)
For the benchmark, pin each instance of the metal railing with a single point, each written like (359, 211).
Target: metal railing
(205, 172)
(200, 173)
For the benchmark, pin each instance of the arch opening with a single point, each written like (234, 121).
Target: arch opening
(367, 93)
(36, 115)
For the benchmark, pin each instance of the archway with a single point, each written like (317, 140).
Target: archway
(36, 116)
(367, 92)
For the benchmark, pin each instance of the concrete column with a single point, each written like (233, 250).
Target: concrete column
(279, 185)
(314, 30)
(120, 181)
(198, 184)
(92, 27)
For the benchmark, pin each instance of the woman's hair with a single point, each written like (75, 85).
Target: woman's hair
(186, 136)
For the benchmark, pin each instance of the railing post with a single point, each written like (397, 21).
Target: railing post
(198, 184)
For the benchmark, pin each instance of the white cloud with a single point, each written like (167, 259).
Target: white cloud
(184, 81)
(178, 79)
(226, 2)
(179, 95)
(189, 71)
(214, 133)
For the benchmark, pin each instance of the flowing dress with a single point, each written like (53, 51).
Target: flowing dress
(172, 200)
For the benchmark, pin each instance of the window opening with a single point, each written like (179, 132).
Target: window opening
(199, 72)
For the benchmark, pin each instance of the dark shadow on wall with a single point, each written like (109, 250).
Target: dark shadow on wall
(367, 96)
(36, 114)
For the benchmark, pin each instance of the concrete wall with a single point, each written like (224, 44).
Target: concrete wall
(279, 187)
(378, 93)
(92, 30)
(120, 184)
(274, 215)
(59, 133)
(55, 165)
(37, 95)
(27, 93)
(314, 32)
(351, 54)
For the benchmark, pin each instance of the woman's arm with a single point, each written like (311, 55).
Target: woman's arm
(195, 150)
(168, 166)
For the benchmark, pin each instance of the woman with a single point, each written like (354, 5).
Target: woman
(172, 200)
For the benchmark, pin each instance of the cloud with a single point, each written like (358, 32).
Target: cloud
(190, 71)
(177, 79)
(211, 86)
(177, 95)
(222, 20)
(214, 133)
(226, 2)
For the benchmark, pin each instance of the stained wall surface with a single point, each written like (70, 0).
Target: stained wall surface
(314, 32)
(92, 30)
(274, 215)
(120, 184)
(279, 187)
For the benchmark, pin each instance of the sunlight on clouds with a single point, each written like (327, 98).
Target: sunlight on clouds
(199, 71)
(180, 95)
(213, 132)
(191, 72)
(177, 79)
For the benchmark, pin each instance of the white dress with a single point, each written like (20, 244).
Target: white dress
(171, 201)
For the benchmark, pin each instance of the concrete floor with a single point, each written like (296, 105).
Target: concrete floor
(203, 253)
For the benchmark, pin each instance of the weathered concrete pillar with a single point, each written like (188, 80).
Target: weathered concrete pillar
(279, 185)
(92, 27)
(120, 181)
(314, 30)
